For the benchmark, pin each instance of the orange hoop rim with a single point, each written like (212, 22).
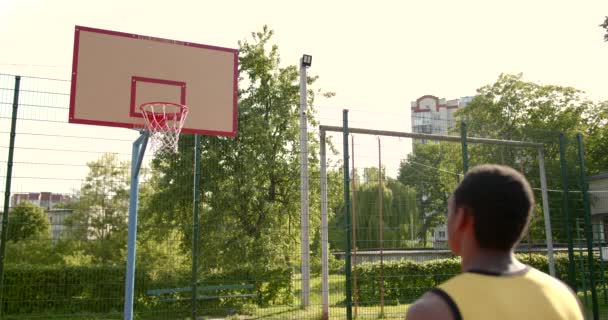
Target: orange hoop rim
(153, 115)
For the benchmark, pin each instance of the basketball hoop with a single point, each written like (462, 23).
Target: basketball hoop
(164, 121)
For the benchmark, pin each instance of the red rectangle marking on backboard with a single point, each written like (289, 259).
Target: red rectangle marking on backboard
(134, 109)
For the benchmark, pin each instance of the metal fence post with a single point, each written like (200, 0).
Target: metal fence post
(195, 210)
(546, 210)
(345, 133)
(354, 228)
(588, 226)
(566, 211)
(7, 189)
(465, 147)
(324, 231)
(381, 227)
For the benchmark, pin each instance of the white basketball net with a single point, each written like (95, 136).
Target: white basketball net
(164, 121)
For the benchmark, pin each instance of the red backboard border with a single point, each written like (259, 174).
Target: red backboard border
(73, 91)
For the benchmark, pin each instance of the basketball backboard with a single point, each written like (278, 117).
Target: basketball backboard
(113, 73)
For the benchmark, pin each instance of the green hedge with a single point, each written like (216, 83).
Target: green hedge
(272, 287)
(29, 289)
(405, 281)
(61, 289)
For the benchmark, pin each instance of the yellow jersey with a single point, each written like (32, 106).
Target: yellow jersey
(528, 294)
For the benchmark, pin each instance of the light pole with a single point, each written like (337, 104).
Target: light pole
(305, 62)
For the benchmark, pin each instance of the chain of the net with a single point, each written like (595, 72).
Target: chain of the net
(164, 131)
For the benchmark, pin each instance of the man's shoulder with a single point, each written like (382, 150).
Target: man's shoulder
(555, 285)
(547, 280)
(435, 304)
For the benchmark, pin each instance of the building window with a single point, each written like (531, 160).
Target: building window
(441, 234)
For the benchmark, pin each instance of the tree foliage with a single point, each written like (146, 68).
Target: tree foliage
(400, 218)
(514, 109)
(100, 212)
(430, 171)
(102, 203)
(249, 217)
(28, 221)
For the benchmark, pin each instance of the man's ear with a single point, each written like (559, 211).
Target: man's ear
(463, 218)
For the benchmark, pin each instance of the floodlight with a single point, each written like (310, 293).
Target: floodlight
(306, 60)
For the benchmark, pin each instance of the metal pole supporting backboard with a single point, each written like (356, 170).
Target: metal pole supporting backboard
(305, 247)
(324, 231)
(139, 149)
(546, 213)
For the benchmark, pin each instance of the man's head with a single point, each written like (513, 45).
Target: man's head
(490, 209)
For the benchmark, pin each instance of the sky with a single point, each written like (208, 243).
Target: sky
(377, 56)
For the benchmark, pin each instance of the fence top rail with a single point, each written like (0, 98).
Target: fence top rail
(429, 136)
(2, 74)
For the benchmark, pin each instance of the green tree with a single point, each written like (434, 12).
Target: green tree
(335, 211)
(430, 171)
(399, 214)
(28, 221)
(101, 210)
(514, 109)
(596, 142)
(250, 217)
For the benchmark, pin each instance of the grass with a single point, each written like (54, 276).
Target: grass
(336, 307)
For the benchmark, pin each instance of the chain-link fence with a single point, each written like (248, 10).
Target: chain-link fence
(396, 187)
(66, 235)
(378, 203)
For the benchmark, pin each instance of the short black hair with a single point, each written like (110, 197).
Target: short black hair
(500, 200)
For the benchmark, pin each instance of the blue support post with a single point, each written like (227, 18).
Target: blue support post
(139, 149)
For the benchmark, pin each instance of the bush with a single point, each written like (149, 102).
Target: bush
(271, 286)
(248, 309)
(403, 280)
(77, 289)
(29, 289)
(406, 280)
